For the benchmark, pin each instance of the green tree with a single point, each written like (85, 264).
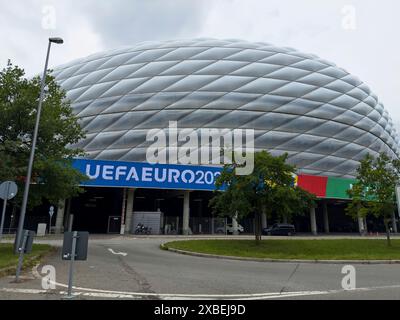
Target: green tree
(269, 188)
(53, 177)
(374, 191)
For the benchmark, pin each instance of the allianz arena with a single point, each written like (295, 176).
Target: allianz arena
(326, 119)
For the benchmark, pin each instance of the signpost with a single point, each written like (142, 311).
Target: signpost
(24, 247)
(75, 246)
(8, 190)
(51, 212)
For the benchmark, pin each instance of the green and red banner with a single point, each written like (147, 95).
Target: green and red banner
(325, 187)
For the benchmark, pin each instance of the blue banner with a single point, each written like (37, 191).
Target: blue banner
(103, 173)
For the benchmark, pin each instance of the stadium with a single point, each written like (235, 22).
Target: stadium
(326, 119)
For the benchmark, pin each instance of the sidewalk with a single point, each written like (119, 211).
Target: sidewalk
(301, 236)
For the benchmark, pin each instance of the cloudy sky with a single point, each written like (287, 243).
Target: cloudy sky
(358, 35)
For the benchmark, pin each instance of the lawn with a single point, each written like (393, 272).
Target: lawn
(349, 249)
(9, 259)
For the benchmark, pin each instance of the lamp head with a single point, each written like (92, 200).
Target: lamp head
(56, 40)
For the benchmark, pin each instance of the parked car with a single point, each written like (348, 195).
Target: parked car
(230, 229)
(280, 229)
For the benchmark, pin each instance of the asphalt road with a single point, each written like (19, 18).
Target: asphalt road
(136, 268)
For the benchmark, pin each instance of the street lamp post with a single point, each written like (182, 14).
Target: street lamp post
(32, 154)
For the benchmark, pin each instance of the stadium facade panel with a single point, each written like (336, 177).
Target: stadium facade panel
(326, 119)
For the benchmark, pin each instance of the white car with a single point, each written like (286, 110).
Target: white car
(229, 229)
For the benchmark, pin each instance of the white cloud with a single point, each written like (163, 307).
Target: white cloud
(25, 40)
(370, 51)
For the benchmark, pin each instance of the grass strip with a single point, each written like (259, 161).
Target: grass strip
(346, 249)
(9, 260)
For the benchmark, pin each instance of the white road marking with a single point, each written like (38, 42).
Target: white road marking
(116, 294)
(176, 296)
(124, 254)
(134, 295)
(22, 277)
(17, 290)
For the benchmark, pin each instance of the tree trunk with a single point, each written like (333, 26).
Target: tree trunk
(257, 228)
(389, 242)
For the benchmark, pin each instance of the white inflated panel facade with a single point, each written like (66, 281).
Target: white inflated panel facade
(325, 118)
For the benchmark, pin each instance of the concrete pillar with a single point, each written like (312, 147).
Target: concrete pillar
(394, 223)
(264, 222)
(361, 228)
(59, 228)
(313, 221)
(70, 222)
(129, 209)
(186, 212)
(326, 216)
(123, 211)
(68, 216)
(235, 225)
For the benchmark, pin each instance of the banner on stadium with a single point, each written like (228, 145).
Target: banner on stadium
(103, 173)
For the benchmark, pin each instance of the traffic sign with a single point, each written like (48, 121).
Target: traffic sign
(8, 190)
(74, 248)
(81, 248)
(51, 211)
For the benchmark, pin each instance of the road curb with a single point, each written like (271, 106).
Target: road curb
(208, 255)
